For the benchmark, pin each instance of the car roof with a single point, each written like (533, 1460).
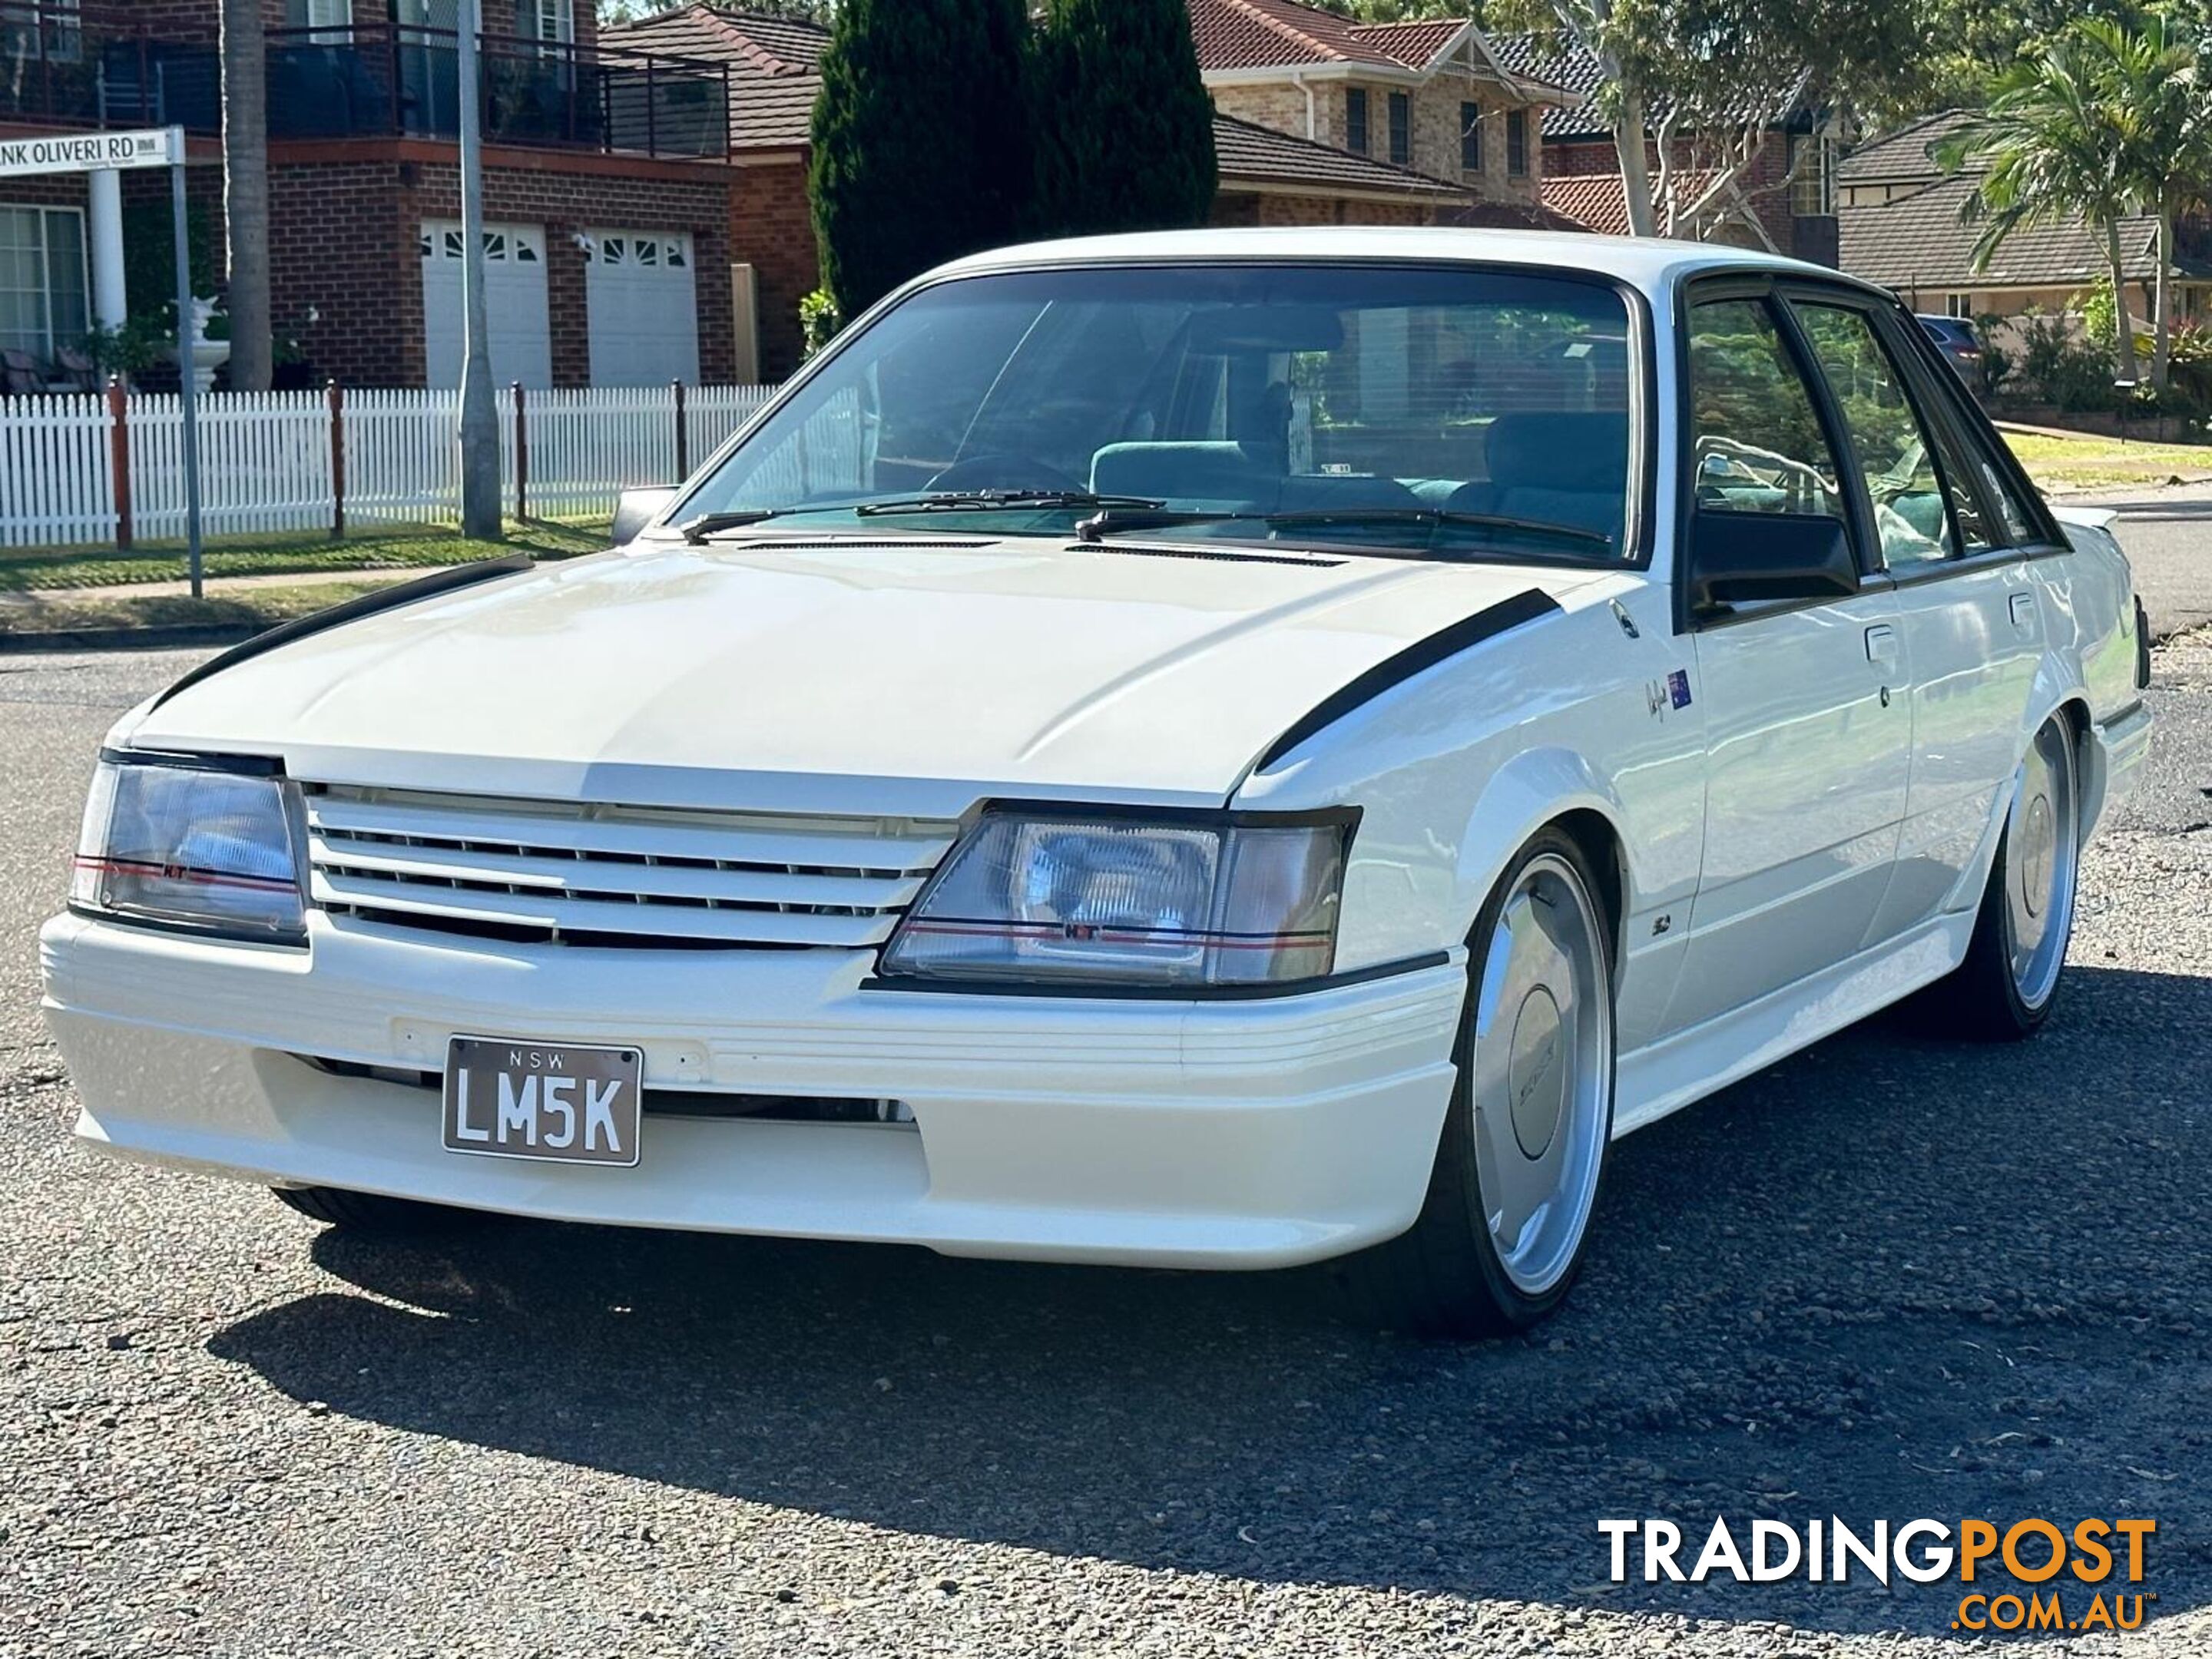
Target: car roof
(1650, 264)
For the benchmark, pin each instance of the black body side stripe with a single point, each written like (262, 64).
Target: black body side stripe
(1523, 607)
(367, 604)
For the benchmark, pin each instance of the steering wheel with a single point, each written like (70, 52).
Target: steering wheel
(1002, 470)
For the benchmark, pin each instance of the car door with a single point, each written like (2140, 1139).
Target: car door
(1807, 706)
(1971, 613)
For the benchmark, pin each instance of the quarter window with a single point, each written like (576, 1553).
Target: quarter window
(1758, 444)
(1921, 514)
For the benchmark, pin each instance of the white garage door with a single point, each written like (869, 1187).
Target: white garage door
(514, 303)
(644, 307)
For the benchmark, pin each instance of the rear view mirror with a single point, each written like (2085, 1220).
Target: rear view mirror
(1738, 557)
(636, 509)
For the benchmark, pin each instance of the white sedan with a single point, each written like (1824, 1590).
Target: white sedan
(1220, 750)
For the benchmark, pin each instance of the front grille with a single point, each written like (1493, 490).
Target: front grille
(580, 873)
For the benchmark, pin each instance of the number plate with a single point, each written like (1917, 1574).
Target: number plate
(556, 1103)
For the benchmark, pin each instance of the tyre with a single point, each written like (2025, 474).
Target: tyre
(1506, 1219)
(373, 1214)
(2007, 985)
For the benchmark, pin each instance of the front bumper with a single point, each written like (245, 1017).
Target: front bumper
(1250, 1134)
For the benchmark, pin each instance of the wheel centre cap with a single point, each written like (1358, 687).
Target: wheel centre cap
(1534, 1077)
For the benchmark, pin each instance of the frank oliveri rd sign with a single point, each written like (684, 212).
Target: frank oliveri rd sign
(87, 152)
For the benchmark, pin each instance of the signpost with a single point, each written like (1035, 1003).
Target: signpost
(154, 146)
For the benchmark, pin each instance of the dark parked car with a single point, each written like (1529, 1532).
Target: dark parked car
(1961, 347)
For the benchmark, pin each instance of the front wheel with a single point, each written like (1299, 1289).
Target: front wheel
(2007, 985)
(1506, 1220)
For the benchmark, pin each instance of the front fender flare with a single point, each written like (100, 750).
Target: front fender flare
(1533, 788)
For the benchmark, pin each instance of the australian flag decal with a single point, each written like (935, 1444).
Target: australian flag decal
(1678, 688)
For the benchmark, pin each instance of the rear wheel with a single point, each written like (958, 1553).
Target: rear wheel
(373, 1214)
(2007, 985)
(1506, 1220)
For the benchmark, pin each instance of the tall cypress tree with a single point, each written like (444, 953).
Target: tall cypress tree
(1124, 127)
(920, 138)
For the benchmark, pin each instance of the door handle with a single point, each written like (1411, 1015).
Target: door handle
(2023, 612)
(1882, 644)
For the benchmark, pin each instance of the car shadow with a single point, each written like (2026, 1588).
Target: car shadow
(1891, 1278)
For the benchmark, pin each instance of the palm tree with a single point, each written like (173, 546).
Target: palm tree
(2156, 102)
(246, 195)
(2048, 155)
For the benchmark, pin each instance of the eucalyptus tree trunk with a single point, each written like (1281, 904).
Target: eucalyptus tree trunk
(2124, 328)
(1631, 139)
(245, 195)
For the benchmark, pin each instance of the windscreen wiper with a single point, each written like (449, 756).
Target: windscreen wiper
(1116, 521)
(986, 501)
(697, 530)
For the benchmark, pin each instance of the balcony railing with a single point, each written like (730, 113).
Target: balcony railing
(386, 80)
(56, 72)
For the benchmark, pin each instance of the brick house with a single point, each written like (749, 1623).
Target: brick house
(1785, 199)
(1431, 97)
(1900, 214)
(605, 180)
(1268, 176)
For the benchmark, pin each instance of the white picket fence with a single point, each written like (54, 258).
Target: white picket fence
(266, 457)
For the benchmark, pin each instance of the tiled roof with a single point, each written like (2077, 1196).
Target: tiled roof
(1234, 34)
(1596, 201)
(1254, 153)
(1417, 42)
(1919, 242)
(1567, 66)
(773, 66)
(1902, 155)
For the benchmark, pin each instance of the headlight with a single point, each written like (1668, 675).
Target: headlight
(192, 844)
(1211, 899)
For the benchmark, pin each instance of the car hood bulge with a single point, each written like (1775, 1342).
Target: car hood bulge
(758, 670)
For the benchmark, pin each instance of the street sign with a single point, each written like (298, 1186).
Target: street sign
(89, 152)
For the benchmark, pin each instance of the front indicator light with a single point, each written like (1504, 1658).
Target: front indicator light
(1203, 901)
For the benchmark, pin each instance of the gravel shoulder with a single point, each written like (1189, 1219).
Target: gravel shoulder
(1893, 1277)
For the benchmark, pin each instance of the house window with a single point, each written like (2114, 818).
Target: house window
(1401, 129)
(45, 304)
(1959, 305)
(28, 33)
(1355, 119)
(1516, 143)
(554, 21)
(1813, 190)
(1470, 138)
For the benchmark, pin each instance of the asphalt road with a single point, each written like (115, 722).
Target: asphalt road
(2168, 536)
(1896, 1276)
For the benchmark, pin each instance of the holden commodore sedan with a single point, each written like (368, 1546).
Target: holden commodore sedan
(1223, 749)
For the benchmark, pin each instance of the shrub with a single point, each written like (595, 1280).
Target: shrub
(819, 319)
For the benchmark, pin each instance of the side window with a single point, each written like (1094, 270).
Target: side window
(1919, 521)
(1758, 445)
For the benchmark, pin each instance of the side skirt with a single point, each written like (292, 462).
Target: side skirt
(1666, 1076)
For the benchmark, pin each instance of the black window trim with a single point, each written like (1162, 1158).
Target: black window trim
(1640, 530)
(1355, 98)
(1794, 294)
(1760, 287)
(1470, 135)
(1517, 126)
(1396, 105)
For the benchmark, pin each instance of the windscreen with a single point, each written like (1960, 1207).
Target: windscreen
(1463, 411)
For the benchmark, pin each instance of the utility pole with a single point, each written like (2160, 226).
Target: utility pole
(480, 515)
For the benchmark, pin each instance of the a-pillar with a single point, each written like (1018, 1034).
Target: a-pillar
(110, 303)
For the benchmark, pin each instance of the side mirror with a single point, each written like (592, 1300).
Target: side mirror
(1735, 557)
(636, 509)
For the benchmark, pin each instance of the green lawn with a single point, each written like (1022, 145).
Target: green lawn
(50, 569)
(248, 609)
(2060, 464)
